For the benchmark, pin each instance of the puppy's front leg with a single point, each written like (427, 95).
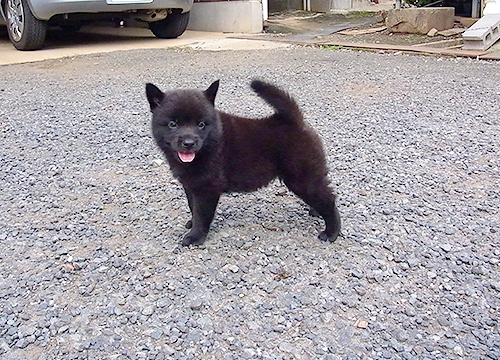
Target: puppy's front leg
(203, 207)
(189, 224)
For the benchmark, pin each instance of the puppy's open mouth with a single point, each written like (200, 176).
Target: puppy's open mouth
(186, 156)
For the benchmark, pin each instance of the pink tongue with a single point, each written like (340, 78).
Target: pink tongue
(186, 156)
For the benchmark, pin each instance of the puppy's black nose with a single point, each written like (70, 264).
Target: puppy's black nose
(188, 144)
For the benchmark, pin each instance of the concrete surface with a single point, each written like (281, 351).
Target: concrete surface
(100, 39)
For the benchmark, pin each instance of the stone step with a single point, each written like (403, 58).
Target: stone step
(484, 33)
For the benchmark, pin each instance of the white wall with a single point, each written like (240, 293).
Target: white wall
(227, 16)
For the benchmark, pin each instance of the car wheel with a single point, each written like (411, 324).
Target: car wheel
(172, 26)
(26, 32)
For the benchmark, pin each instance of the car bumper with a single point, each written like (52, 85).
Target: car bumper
(45, 9)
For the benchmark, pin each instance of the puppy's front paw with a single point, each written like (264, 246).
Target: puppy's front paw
(323, 236)
(193, 238)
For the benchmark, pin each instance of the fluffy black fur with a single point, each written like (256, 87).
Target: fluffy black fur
(212, 152)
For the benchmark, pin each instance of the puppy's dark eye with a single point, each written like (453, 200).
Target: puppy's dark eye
(172, 125)
(201, 125)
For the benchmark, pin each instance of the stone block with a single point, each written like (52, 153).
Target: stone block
(420, 20)
(483, 33)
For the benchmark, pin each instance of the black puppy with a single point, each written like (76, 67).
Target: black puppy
(212, 152)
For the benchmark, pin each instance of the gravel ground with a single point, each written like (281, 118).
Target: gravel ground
(91, 219)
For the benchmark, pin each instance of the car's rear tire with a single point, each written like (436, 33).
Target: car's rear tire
(172, 26)
(26, 32)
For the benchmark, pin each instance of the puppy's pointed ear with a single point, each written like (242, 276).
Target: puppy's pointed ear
(212, 91)
(155, 96)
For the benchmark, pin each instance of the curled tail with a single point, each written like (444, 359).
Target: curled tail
(284, 105)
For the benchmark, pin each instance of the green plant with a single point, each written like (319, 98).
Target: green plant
(359, 14)
(331, 47)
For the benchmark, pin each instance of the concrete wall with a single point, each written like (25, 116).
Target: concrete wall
(280, 5)
(327, 5)
(349, 4)
(227, 16)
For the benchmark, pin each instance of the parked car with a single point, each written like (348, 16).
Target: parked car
(27, 20)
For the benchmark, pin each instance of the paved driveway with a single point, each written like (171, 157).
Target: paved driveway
(98, 39)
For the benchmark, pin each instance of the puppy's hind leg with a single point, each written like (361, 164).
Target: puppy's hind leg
(333, 223)
(320, 198)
